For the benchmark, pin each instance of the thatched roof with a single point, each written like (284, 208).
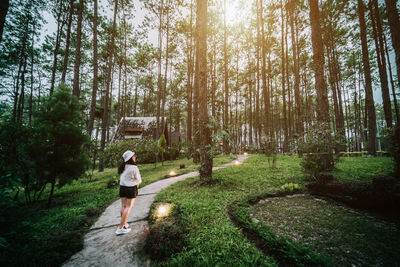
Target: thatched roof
(137, 127)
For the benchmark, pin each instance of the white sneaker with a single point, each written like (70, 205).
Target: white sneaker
(127, 226)
(122, 231)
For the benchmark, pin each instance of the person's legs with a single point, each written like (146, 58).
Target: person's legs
(126, 211)
(129, 204)
(124, 203)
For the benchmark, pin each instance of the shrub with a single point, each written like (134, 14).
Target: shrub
(146, 151)
(57, 147)
(50, 150)
(162, 146)
(172, 152)
(166, 233)
(270, 149)
(113, 182)
(290, 187)
(396, 151)
(318, 149)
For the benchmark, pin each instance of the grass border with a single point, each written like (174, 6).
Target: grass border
(286, 251)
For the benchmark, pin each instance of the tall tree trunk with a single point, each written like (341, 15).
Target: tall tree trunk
(95, 70)
(159, 81)
(257, 93)
(75, 87)
(32, 64)
(319, 63)
(67, 41)
(394, 23)
(251, 80)
(377, 32)
(299, 118)
(196, 130)
(20, 70)
(3, 13)
(206, 160)
(264, 73)
(285, 123)
(189, 84)
(369, 97)
(226, 87)
(53, 183)
(320, 83)
(60, 27)
(164, 91)
(125, 59)
(104, 125)
(136, 97)
(396, 107)
(22, 96)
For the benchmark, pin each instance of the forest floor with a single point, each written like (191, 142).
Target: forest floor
(32, 235)
(294, 227)
(103, 248)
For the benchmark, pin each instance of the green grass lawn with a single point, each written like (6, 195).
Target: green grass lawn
(363, 169)
(35, 236)
(344, 235)
(211, 238)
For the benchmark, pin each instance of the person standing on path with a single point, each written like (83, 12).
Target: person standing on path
(128, 188)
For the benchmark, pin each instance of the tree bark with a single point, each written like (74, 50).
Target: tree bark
(3, 13)
(159, 81)
(377, 32)
(205, 141)
(285, 122)
(264, 73)
(189, 84)
(226, 87)
(196, 130)
(394, 23)
(319, 63)
(299, 118)
(60, 26)
(75, 87)
(164, 91)
(67, 41)
(104, 125)
(369, 97)
(396, 107)
(95, 70)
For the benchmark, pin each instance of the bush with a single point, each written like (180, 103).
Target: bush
(395, 150)
(290, 187)
(166, 234)
(145, 150)
(50, 150)
(173, 152)
(318, 151)
(113, 182)
(270, 149)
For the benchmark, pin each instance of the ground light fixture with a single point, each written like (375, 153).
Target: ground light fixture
(236, 162)
(172, 173)
(245, 153)
(163, 210)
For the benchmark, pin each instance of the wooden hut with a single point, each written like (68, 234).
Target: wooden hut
(139, 127)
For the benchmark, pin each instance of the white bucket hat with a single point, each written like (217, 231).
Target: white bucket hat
(128, 155)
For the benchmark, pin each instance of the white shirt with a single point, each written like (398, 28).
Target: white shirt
(130, 176)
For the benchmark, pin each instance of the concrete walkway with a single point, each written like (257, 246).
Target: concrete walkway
(103, 248)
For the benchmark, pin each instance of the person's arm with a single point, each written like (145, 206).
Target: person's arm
(137, 176)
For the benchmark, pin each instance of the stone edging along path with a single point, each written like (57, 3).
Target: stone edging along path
(103, 248)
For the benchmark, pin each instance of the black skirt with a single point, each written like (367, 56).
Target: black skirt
(128, 191)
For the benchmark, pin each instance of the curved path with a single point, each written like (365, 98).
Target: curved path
(103, 248)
